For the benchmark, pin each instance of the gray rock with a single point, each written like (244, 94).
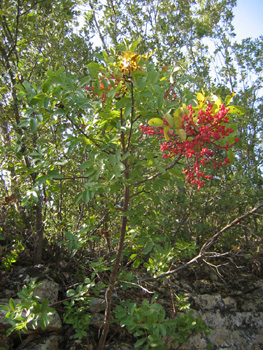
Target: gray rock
(97, 320)
(55, 325)
(96, 305)
(48, 290)
(45, 343)
(116, 345)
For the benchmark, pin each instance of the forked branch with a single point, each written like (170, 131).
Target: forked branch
(206, 245)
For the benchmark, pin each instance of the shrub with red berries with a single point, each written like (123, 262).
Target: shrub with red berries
(196, 132)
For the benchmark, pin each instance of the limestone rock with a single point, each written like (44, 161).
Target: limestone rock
(44, 343)
(96, 305)
(116, 345)
(97, 320)
(48, 289)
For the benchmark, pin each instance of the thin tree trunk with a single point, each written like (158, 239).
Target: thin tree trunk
(114, 274)
(38, 249)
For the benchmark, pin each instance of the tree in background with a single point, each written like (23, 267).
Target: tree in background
(35, 37)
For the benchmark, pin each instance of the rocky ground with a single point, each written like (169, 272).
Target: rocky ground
(228, 298)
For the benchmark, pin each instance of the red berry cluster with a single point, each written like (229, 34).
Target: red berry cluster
(203, 130)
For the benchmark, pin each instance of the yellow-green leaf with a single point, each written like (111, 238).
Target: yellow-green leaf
(236, 110)
(229, 98)
(155, 122)
(200, 98)
(166, 130)
(215, 108)
(182, 134)
(178, 114)
(169, 119)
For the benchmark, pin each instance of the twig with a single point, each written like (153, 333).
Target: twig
(205, 246)
(159, 173)
(137, 285)
(98, 27)
(212, 240)
(172, 295)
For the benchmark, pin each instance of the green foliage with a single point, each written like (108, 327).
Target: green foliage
(76, 308)
(28, 311)
(148, 322)
(11, 257)
(163, 256)
(74, 242)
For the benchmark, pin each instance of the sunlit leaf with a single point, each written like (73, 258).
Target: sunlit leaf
(155, 122)
(229, 98)
(236, 110)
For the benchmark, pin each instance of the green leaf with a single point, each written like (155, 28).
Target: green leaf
(28, 87)
(44, 305)
(40, 180)
(38, 99)
(134, 45)
(12, 304)
(78, 197)
(86, 165)
(33, 124)
(86, 196)
(43, 321)
(127, 111)
(112, 159)
(131, 308)
(19, 87)
(93, 68)
(4, 308)
(163, 330)
(140, 342)
(37, 307)
(123, 102)
(84, 82)
(231, 156)
(178, 114)
(70, 293)
(119, 167)
(148, 247)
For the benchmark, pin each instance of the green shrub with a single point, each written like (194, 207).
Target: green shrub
(27, 310)
(148, 322)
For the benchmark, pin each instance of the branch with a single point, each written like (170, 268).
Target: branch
(132, 115)
(70, 178)
(137, 285)
(87, 136)
(139, 192)
(212, 240)
(208, 244)
(98, 27)
(159, 173)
